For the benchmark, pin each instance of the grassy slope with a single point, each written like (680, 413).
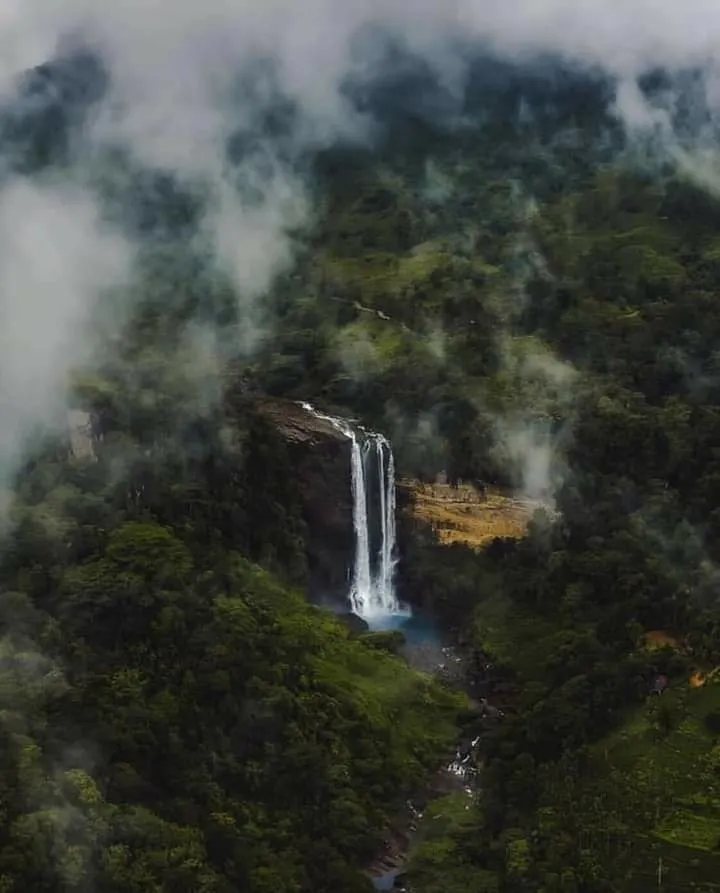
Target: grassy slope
(671, 790)
(652, 796)
(658, 792)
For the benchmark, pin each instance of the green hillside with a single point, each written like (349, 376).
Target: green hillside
(522, 295)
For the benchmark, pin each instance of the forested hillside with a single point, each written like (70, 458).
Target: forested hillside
(174, 717)
(533, 304)
(518, 293)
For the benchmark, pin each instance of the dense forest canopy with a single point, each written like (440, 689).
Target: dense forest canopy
(511, 271)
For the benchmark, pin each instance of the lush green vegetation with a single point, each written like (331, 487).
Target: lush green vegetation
(520, 302)
(176, 718)
(586, 309)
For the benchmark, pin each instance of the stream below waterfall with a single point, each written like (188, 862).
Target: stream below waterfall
(458, 776)
(371, 597)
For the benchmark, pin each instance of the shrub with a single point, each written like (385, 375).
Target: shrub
(712, 722)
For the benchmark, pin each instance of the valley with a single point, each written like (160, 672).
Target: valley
(249, 314)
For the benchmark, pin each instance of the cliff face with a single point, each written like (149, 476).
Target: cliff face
(465, 515)
(320, 457)
(80, 430)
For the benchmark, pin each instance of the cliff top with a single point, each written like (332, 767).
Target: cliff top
(295, 423)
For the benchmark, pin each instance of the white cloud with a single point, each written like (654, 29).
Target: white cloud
(55, 259)
(173, 64)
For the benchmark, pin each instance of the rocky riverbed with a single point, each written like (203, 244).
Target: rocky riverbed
(433, 657)
(459, 774)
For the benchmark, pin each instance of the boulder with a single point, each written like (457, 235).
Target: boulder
(354, 623)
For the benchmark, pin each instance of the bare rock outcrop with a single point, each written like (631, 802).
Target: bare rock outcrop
(320, 456)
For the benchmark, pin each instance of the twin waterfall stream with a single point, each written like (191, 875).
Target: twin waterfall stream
(372, 597)
(372, 473)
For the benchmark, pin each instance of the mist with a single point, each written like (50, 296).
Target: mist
(177, 97)
(56, 260)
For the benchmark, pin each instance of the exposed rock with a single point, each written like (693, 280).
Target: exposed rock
(390, 861)
(464, 513)
(298, 425)
(80, 429)
(388, 881)
(401, 881)
(321, 458)
(436, 658)
(354, 623)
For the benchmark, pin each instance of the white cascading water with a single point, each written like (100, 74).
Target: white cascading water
(362, 584)
(372, 590)
(384, 578)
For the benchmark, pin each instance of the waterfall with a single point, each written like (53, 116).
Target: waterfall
(384, 579)
(361, 588)
(372, 586)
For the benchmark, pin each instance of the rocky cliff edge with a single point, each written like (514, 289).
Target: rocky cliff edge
(320, 456)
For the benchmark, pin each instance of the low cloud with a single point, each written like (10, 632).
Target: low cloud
(56, 259)
(188, 78)
(531, 433)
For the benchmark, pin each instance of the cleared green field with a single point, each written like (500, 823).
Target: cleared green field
(664, 766)
(651, 801)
